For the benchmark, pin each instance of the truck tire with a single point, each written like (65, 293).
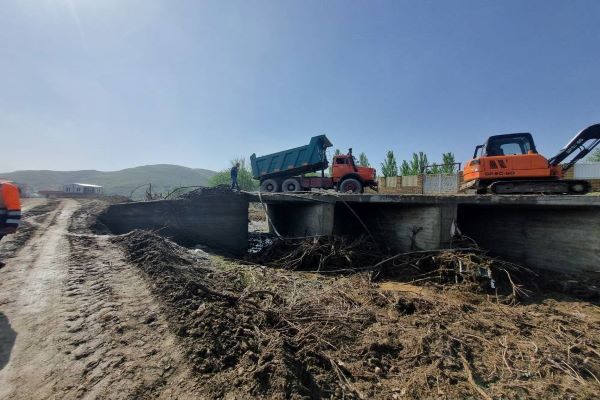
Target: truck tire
(291, 185)
(269, 186)
(351, 185)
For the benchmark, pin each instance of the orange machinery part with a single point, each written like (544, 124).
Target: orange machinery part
(531, 165)
(10, 208)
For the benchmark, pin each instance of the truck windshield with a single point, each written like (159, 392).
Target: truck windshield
(345, 160)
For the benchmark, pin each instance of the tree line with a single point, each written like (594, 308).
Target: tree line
(417, 165)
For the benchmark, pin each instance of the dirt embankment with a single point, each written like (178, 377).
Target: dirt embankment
(264, 332)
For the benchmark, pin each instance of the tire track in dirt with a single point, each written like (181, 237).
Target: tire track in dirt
(30, 289)
(35, 215)
(115, 334)
(86, 324)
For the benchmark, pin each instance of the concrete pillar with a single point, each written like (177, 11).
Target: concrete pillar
(406, 228)
(301, 219)
(219, 221)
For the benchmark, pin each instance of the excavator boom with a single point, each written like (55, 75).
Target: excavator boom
(590, 134)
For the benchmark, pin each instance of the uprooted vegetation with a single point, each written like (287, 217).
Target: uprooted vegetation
(450, 324)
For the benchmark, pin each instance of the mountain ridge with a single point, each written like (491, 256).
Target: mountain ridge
(163, 177)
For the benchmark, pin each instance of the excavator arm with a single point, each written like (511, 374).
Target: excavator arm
(578, 144)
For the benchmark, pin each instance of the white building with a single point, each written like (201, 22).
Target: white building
(83, 188)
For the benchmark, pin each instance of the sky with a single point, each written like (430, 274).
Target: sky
(112, 84)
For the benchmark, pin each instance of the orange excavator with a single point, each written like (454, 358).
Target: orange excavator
(510, 164)
(10, 208)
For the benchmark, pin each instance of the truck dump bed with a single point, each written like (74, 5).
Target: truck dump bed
(292, 162)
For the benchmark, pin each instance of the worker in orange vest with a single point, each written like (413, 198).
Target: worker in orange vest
(10, 209)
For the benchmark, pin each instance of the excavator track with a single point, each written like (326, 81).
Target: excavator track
(565, 186)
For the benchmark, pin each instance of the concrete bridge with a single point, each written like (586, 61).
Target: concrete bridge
(550, 232)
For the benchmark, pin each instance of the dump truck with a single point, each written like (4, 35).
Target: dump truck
(286, 170)
(510, 164)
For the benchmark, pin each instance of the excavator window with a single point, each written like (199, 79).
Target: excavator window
(511, 144)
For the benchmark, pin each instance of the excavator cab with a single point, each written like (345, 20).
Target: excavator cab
(509, 145)
(504, 145)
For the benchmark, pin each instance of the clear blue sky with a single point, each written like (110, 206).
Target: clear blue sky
(114, 83)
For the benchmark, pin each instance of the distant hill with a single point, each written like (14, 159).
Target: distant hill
(164, 178)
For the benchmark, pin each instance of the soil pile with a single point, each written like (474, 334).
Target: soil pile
(88, 217)
(206, 191)
(263, 332)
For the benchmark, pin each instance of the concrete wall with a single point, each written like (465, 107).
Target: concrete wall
(419, 184)
(564, 239)
(401, 184)
(218, 221)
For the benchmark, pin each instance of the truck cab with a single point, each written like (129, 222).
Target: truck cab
(348, 177)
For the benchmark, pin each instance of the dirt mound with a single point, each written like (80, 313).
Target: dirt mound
(260, 332)
(86, 219)
(249, 335)
(207, 191)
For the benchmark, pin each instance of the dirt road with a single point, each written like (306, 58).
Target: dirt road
(77, 321)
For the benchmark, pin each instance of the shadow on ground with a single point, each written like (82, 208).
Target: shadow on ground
(7, 340)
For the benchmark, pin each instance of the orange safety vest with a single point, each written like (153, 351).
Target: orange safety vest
(10, 208)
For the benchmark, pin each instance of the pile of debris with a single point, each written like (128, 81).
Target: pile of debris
(470, 267)
(264, 332)
(206, 191)
(320, 254)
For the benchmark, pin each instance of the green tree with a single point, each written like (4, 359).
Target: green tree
(416, 166)
(389, 167)
(595, 156)
(337, 152)
(435, 169)
(405, 168)
(363, 161)
(448, 161)
(245, 179)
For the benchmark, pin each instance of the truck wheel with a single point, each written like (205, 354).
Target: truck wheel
(351, 185)
(269, 186)
(291, 185)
